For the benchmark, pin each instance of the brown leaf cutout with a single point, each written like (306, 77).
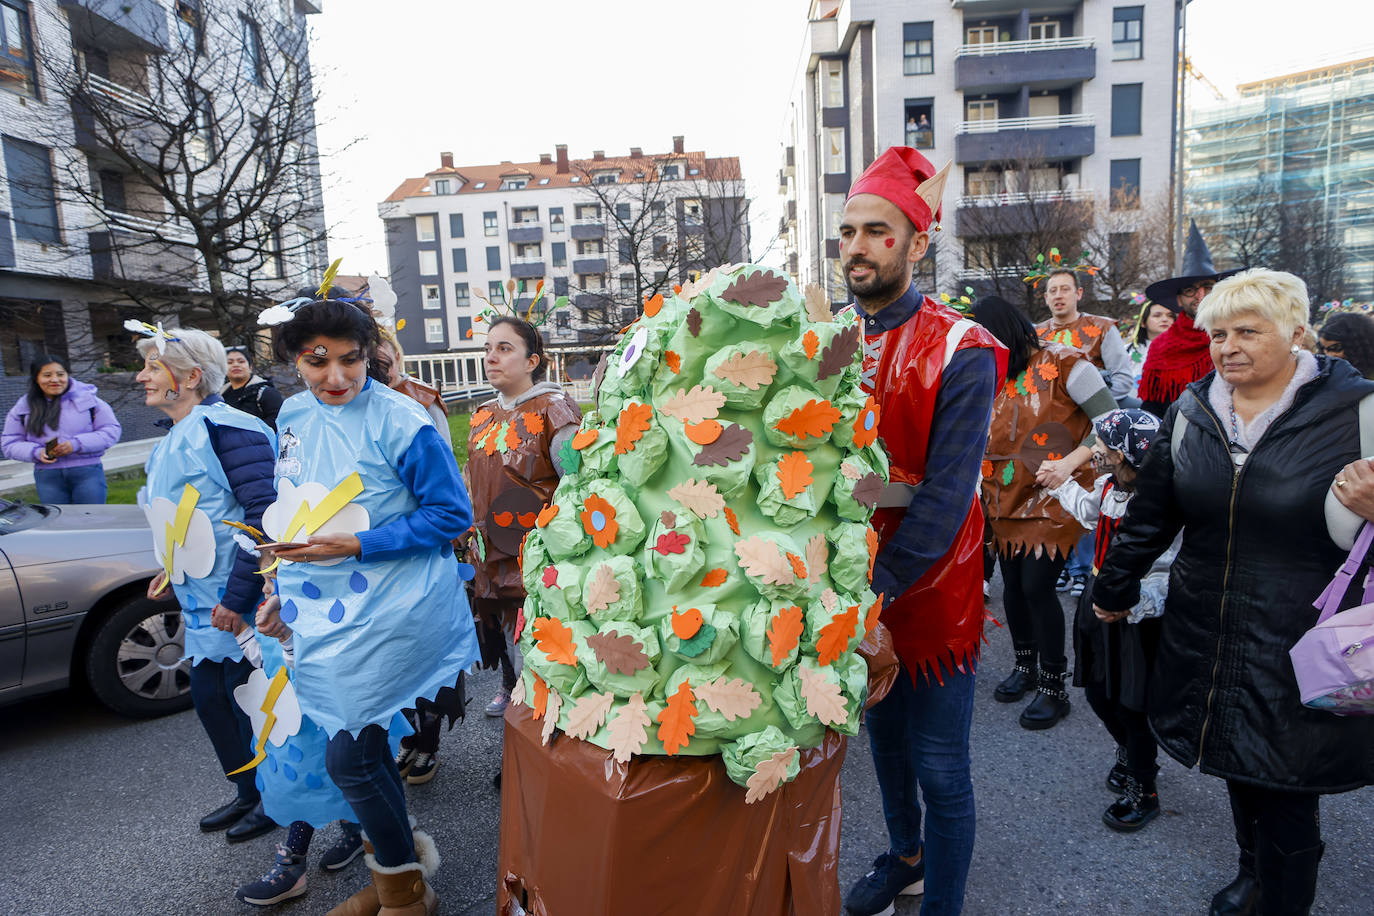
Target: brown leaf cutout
(752, 370)
(824, 699)
(733, 699)
(589, 714)
(551, 716)
(868, 489)
(817, 303)
(629, 729)
(694, 322)
(700, 496)
(668, 518)
(695, 405)
(620, 654)
(731, 446)
(768, 775)
(759, 289)
(817, 557)
(762, 559)
(603, 590)
(837, 356)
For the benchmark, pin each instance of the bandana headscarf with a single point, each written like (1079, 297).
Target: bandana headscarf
(1129, 431)
(1177, 358)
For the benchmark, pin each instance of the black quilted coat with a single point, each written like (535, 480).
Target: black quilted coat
(1255, 555)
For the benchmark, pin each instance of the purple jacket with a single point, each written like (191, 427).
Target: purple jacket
(86, 421)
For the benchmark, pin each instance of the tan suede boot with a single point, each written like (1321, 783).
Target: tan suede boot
(403, 890)
(365, 902)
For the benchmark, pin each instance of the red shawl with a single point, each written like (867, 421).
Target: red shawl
(1177, 358)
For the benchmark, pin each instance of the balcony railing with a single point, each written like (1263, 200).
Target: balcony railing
(1046, 122)
(1022, 47)
(983, 273)
(169, 231)
(130, 99)
(587, 221)
(1022, 197)
(528, 259)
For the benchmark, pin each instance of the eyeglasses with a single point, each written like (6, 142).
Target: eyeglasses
(1195, 288)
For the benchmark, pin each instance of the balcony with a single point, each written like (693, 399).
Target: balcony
(145, 251)
(1011, 214)
(119, 24)
(523, 268)
(588, 301)
(1005, 66)
(1051, 137)
(525, 233)
(590, 228)
(589, 263)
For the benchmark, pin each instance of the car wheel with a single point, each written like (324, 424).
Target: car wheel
(134, 663)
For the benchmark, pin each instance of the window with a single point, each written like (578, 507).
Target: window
(832, 84)
(529, 251)
(590, 248)
(1042, 106)
(274, 261)
(920, 123)
(562, 319)
(628, 314)
(112, 197)
(464, 327)
(479, 186)
(624, 250)
(493, 257)
(1125, 184)
(983, 109)
(1126, 33)
(460, 260)
(588, 212)
(656, 208)
(559, 250)
(443, 186)
(560, 286)
(591, 283)
(252, 50)
(16, 50)
(1044, 31)
(691, 211)
(1126, 110)
(984, 184)
(462, 296)
(455, 225)
(622, 212)
(489, 223)
(980, 35)
(188, 23)
(434, 330)
(425, 228)
(429, 263)
(514, 184)
(200, 104)
(522, 215)
(918, 48)
(429, 294)
(605, 177)
(555, 219)
(834, 159)
(495, 291)
(31, 191)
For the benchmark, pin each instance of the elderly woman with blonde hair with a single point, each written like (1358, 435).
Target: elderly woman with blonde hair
(1242, 466)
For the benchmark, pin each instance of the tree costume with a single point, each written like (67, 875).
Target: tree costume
(1084, 333)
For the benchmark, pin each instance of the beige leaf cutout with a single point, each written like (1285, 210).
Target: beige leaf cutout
(603, 590)
(817, 557)
(696, 287)
(850, 472)
(824, 700)
(589, 713)
(733, 699)
(751, 370)
(769, 775)
(551, 716)
(830, 600)
(700, 496)
(817, 303)
(517, 693)
(695, 405)
(629, 729)
(761, 558)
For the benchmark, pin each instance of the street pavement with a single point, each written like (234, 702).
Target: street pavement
(97, 816)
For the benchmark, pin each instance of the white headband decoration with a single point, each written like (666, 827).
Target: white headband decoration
(155, 332)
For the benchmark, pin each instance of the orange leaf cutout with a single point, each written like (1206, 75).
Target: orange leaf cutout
(584, 438)
(1040, 438)
(512, 437)
(541, 696)
(713, 578)
(673, 360)
(1048, 371)
(794, 474)
(675, 722)
(527, 519)
(654, 305)
(555, 640)
(871, 537)
(871, 618)
(835, 635)
(634, 422)
(503, 518)
(547, 514)
(798, 567)
(534, 423)
(1054, 456)
(783, 633)
(866, 424)
(687, 623)
(810, 344)
(1093, 330)
(480, 417)
(815, 418)
(705, 432)
(490, 445)
(987, 469)
(732, 520)
(598, 520)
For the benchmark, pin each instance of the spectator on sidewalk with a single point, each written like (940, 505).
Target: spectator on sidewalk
(246, 390)
(1349, 336)
(62, 427)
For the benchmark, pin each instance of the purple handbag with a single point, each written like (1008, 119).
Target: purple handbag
(1334, 661)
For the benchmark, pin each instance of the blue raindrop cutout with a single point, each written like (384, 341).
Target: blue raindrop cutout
(336, 611)
(294, 753)
(312, 781)
(288, 611)
(289, 771)
(272, 763)
(192, 621)
(310, 590)
(257, 780)
(357, 582)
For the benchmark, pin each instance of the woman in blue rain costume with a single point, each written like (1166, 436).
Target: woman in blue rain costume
(215, 463)
(365, 482)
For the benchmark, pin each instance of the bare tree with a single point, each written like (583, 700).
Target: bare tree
(1129, 244)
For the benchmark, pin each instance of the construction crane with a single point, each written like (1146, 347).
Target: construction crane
(1198, 75)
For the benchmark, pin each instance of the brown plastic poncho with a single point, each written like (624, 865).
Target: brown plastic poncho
(1083, 334)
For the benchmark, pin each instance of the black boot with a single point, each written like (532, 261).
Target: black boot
(1051, 701)
(227, 815)
(1020, 681)
(1116, 776)
(1239, 898)
(1288, 879)
(1137, 806)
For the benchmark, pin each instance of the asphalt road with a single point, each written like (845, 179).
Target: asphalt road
(97, 816)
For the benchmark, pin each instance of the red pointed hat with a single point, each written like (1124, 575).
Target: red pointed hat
(904, 177)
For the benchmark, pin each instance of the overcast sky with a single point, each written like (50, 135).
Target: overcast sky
(401, 81)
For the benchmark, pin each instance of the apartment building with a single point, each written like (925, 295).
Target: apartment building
(604, 231)
(118, 120)
(1036, 104)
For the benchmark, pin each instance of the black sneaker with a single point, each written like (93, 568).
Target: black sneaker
(422, 770)
(345, 849)
(405, 759)
(875, 893)
(285, 880)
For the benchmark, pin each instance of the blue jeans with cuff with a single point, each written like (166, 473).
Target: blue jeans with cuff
(79, 486)
(366, 774)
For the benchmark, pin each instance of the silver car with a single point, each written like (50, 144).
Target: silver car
(74, 606)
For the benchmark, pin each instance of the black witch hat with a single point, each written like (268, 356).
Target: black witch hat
(1197, 266)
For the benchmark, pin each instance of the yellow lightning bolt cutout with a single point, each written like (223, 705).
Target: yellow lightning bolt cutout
(328, 281)
(269, 703)
(309, 520)
(176, 531)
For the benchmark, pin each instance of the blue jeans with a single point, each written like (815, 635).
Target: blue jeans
(366, 774)
(82, 486)
(230, 731)
(1081, 559)
(919, 737)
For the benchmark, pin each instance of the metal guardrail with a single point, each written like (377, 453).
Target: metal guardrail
(987, 274)
(1033, 197)
(1024, 46)
(449, 371)
(170, 231)
(129, 98)
(1046, 122)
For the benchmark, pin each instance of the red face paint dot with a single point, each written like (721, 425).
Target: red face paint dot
(890, 242)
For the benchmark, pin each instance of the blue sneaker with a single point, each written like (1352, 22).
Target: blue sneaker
(285, 880)
(875, 893)
(346, 848)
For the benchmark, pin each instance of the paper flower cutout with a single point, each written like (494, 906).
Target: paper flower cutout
(598, 520)
(866, 424)
(282, 313)
(159, 337)
(634, 349)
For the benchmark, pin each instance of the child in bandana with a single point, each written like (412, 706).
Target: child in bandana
(1113, 654)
